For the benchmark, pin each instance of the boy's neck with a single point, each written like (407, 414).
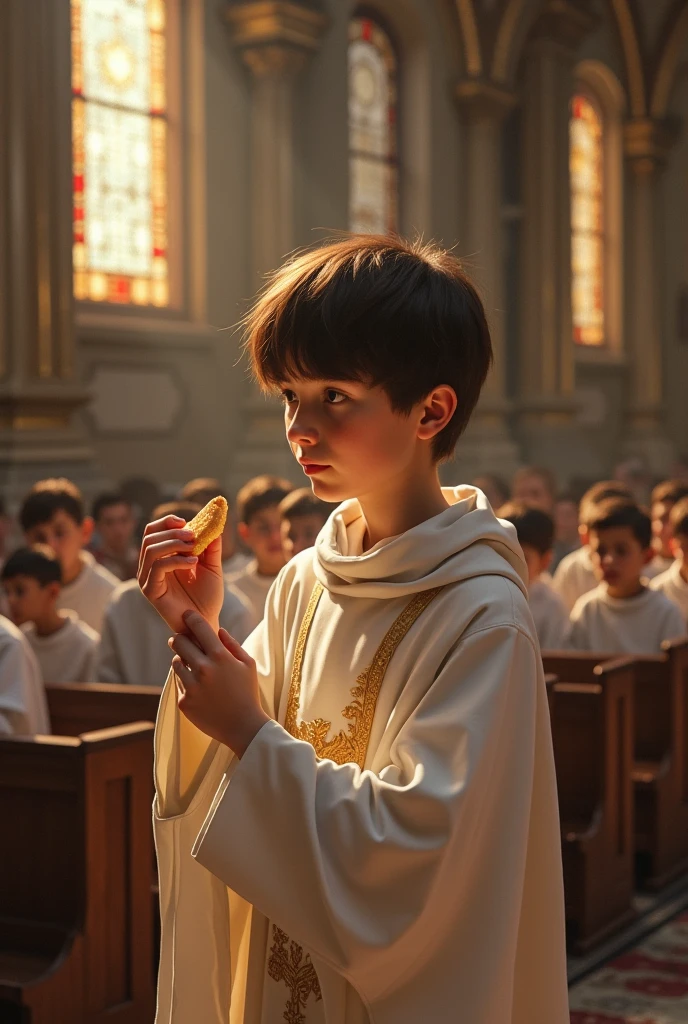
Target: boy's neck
(265, 570)
(50, 623)
(72, 573)
(624, 591)
(401, 506)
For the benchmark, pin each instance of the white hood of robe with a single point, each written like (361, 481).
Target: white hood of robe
(465, 540)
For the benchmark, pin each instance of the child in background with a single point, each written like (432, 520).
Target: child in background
(113, 545)
(53, 514)
(664, 496)
(535, 532)
(493, 487)
(674, 582)
(575, 574)
(303, 517)
(133, 646)
(200, 491)
(65, 647)
(534, 487)
(566, 535)
(260, 529)
(23, 707)
(622, 615)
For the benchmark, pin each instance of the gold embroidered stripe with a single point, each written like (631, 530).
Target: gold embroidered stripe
(349, 747)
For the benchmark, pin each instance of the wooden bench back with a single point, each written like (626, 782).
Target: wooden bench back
(76, 931)
(84, 707)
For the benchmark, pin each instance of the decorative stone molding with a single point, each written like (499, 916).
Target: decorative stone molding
(647, 143)
(565, 23)
(479, 99)
(280, 24)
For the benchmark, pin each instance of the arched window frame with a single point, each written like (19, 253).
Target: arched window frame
(185, 189)
(367, 24)
(600, 86)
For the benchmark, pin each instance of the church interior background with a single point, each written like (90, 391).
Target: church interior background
(164, 155)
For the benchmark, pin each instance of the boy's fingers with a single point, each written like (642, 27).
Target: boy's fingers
(188, 651)
(203, 632)
(234, 647)
(153, 554)
(167, 523)
(150, 579)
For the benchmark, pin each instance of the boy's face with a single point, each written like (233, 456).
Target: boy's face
(65, 536)
(566, 521)
(28, 600)
(661, 528)
(263, 536)
(618, 559)
(536, 562)
(533, 492)
(350, 441)
(116, 527)
(300, 533)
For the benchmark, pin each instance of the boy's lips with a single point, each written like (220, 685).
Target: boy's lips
(310, 468)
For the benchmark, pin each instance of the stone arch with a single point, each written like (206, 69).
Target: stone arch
(633, 58)
(674, 37)
(470, 38)
(514, 28)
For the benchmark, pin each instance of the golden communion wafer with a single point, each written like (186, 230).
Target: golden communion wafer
(208, 524)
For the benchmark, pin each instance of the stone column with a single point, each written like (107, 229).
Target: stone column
(646, 144)
(488, 445)
(40, 387)
(275, 39)
(547, 404)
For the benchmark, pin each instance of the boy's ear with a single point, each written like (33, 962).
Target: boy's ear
(53, 589)
(546, 560)
(584, 534)
(674, 547)
(648, 555)
(243, 531)
(87, 528)
(438, 408)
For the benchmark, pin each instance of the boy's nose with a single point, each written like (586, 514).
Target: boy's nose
(301, 432)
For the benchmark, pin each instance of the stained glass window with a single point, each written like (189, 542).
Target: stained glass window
(119, 138)
(587, 222)
(373, 158)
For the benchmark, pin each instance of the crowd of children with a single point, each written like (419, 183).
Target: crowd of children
(604, 575)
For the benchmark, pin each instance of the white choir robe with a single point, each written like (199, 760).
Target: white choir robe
(425, 886)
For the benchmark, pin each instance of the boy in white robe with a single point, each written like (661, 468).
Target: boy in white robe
(535, 532)
(53, 513)
(133, 646)
(623, 615)
(674, 582)
(664, 496)
(356, 816)
(260, 529)
(65, 647)
(302, 517)
(23, 707)
(575, 574)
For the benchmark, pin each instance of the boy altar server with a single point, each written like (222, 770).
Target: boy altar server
(260, 528)
(23, 707)
(622, 615)
(53, 514)
(356, 815)
(65, 647)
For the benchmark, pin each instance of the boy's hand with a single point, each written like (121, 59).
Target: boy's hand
(174, 580)
(217, 684)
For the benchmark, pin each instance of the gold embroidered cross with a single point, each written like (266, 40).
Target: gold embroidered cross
(294, 968)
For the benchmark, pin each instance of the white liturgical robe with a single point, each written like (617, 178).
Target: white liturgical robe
(387, 850)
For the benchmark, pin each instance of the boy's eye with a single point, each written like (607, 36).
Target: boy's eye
(334, 397)
(288, 396)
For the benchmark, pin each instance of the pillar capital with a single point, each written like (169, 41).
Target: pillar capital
(647, 142)
(481, 100)
(275, 36)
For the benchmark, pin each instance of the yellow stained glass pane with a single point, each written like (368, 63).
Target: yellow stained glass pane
(373, 163)
(120, 151)
(586, 165)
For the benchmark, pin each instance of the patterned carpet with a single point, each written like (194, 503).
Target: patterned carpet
(648, 985)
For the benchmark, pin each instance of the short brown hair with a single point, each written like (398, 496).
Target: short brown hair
(669, 491)
(48, 497)
(260, 493)
(602, 491)
(202, 489)
(390, 313)
(302, 502)
(533, 526)
(678, 517)
(619, 512)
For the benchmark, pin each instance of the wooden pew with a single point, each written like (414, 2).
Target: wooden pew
(660, 755)
(592, 733)
(82, 707)
(76, 928)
